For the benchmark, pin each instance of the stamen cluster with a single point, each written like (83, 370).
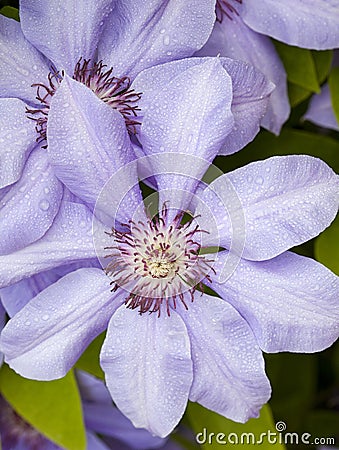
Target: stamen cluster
(114, 91)
(225, 8)
(44, 96)
(157, 263)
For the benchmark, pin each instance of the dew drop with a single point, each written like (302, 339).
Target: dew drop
(44, 205)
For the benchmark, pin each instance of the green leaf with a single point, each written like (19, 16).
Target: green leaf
(207, 422)
(52, 407)
(333, 82)
(327, 247)
(9, 11)
(323, 423)
(297, 94)
(89, 360)
(323, 62)
(292, 395)
(299, 65)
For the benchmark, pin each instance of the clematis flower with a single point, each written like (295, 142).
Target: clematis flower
(320, 110)
(101, 45)
(100, 416)
(243, 29)
(167, 341)
(29, 207)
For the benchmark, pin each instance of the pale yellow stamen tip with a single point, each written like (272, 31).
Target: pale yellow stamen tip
(159, 268)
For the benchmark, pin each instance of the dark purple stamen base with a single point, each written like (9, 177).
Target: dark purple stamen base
(225, 8)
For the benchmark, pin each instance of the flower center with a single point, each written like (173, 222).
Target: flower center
(14, 431)
(225, 8)
(114, 91)
(157, 263)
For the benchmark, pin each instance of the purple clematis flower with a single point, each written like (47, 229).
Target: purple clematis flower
(100, 417)
(243, 28)
(29, 206)
(167, 342)
(101, 46)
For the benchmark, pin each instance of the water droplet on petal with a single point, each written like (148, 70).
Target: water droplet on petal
(44, 205)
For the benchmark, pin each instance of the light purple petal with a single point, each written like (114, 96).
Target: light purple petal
(148, 368)
(94, 443)
(2, 324)
(64, 31)
(290, 302)
(189, 115)
(92, 389)
(69, 240)
(251, 96)
(16, 296)
(107, 420)
(87, 142)
(142, 34)
(28, 209)
(286, 200)
(229, 376)
(304, 23)
(232, 38)
(17, 138)
(21, 64)
(45, 339)
(320, 110)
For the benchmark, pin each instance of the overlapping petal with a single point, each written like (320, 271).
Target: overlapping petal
(17, 138)
(88, 142)
(148, 368)
(139, 35)
(321, 111)
(290, 302)
(229, 376)
(64, 31)
(68, 241)
(304, 23)
(21, 64)
(285, 201)
(45, 339)
(15, 297)
(109, 421)
(191, 115)
(250, 91)
(251, 96)
(232, 38)
(94, 443)
(29, 207)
